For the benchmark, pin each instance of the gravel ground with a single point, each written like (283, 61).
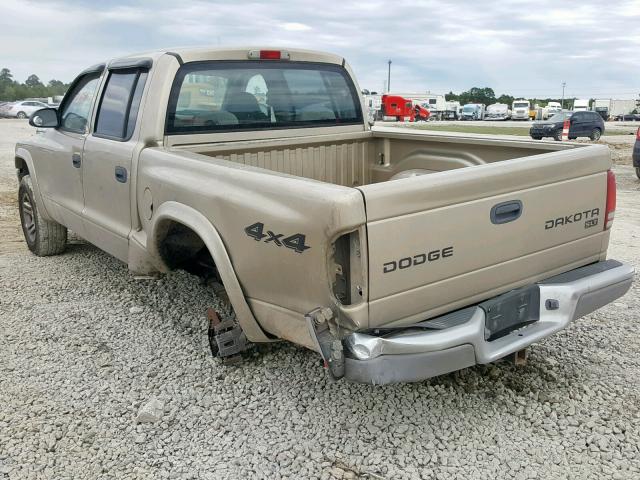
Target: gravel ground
(83, 346)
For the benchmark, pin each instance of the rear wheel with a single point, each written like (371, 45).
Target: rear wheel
(43, 237)
(638, 171)
(595, 134)
(21, 115)
(536, 137)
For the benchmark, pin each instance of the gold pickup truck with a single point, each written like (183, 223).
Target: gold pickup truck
(396, 254)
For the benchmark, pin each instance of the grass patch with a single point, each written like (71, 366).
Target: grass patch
(493, 130)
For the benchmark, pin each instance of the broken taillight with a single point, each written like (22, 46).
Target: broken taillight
(611, 200)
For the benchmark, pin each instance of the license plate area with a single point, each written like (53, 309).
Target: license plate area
(511, 311)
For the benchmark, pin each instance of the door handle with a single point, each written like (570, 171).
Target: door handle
(121, 174)
(506, 212)
(76, 160)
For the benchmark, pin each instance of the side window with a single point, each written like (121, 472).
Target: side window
(75, 111)
(120, 104)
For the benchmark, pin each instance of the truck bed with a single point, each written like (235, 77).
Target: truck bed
(362, 158)
(432, 243)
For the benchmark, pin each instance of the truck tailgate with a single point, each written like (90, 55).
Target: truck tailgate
(442, 241)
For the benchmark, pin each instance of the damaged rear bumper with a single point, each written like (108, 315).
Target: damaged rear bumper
(459, 339)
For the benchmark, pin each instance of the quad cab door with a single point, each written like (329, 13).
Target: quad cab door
(108, 154)
(59, 160)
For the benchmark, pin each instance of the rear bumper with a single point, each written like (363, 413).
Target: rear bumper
(458, 341)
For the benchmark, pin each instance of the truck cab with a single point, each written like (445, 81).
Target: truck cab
(397, 108)
(520, 109)
(472, 111)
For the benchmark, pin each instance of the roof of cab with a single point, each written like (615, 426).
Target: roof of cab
(197, 54)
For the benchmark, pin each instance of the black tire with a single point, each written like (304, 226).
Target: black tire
(638, 172)
(43, 237)
(536, 138)
(557, 136)
(21, 115)
(595, 135)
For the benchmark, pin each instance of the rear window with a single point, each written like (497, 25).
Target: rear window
(120, 103)
(230, 95)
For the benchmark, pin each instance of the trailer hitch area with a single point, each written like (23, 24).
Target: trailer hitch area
(519, 358)
(226, 338)
(329, 346)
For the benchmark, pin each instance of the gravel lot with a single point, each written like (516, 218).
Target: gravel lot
(83, 346)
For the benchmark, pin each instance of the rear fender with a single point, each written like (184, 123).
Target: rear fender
(197, 222)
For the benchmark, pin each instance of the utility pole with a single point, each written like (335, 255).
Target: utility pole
(389, 77)
(564, 84)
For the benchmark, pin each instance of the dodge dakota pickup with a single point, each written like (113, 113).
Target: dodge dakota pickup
(397, 255)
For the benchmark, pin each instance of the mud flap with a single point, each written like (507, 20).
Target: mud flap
(329, 347)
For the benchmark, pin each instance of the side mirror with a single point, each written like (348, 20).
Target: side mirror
(44, 118)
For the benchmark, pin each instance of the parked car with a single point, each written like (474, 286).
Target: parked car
(627, 117)
(582, 124)
(551, 109)
(395, 254)
(22, 109)
(636, 153)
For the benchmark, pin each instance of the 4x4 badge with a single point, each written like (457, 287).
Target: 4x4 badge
(294, 242)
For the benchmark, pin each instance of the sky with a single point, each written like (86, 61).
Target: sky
(517, 47)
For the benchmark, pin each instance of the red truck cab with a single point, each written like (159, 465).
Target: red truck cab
(400, 109)
(397, 108)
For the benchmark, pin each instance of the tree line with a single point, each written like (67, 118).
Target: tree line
(487, 96)
(32, 87)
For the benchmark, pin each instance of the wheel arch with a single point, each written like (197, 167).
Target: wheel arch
(24, 166)
(172, 213)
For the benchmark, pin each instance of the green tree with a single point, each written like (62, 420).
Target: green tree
(32, 88)
(508, 99)
(33, 81)
(450, 97)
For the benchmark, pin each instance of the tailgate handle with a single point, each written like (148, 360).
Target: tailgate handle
(506, 212)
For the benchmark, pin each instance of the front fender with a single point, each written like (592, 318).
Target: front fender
(197, 222)
(22, 156)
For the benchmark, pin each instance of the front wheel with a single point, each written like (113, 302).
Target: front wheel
(21, 115)
(43, 237)
(595, 135)
(557, 136)
(638, 172)
(536, 138)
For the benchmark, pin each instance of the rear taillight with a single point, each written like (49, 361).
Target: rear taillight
(610, 211)
(638, 134)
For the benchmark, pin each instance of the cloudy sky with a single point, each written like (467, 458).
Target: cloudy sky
(523, 48)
